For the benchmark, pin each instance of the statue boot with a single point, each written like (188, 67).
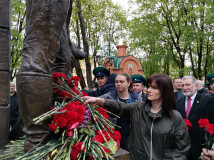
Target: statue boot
(35, 95)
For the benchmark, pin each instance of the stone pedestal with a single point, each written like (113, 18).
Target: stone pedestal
(121, 154)
(4, 125)
(4, 70)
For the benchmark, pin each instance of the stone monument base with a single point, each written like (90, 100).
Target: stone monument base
(121, 154)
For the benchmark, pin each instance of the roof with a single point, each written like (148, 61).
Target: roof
(118, 60)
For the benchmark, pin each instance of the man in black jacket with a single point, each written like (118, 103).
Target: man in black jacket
(14, 108)
(195, 106)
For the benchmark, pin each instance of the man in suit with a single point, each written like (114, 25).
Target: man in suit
(195, 106)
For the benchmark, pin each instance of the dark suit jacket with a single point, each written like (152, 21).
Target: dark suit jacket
(202, 107)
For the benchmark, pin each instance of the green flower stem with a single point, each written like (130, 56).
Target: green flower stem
(101, 117)
(86, 146)
(108, 112)
(69, 151)
(107, 122)
(106, 155)
(94, 154)
(98, 151)
(61, 149)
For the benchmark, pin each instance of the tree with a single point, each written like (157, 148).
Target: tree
(17, 35)
(100, 22)
(182, 31)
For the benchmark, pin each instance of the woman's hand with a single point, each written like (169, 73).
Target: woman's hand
(207, 154)
(94, 100)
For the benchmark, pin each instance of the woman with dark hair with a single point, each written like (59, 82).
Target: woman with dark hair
(124, 93)
(157, 130)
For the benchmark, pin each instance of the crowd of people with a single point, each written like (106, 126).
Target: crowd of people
(152, 113)
(152, 122)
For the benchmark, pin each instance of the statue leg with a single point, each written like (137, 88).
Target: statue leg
(35, 96)
(44, 25)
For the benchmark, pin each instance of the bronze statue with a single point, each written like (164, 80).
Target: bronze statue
(47, 49)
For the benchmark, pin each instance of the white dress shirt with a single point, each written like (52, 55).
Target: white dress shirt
(192, 100)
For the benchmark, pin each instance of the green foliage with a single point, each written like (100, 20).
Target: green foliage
(17, 35)
(174, 32)
(104, 22)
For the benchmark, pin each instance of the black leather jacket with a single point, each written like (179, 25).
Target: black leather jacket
(153, 136)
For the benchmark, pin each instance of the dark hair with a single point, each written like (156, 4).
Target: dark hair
(164, 84)
(129, 79)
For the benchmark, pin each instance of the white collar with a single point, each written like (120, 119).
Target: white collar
(192, 97)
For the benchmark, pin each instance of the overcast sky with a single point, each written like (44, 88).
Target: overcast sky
(123, 3)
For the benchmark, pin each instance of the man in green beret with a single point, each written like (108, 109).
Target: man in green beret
(210, 78)
(138, 85)
(105, 81)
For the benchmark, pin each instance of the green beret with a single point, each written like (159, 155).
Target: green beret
(210, 78)
(206, 84)
(137, 78)
(101, 72)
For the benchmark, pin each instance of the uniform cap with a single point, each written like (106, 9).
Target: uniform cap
(137, 78)
(101, 72)
(210, 78)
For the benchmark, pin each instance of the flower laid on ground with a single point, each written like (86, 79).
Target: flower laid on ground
(78, 132)
(209, 128)
(188, 124)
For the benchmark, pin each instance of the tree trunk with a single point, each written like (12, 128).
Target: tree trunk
(192, 62)
(85, 44)
(76, 63)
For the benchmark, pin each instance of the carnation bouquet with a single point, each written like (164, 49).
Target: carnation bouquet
(77, 131)
(209, 131)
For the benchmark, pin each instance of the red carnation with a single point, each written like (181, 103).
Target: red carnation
(106, 151)
(73, 82)
(56, 90)
(117, 135)
(103, 111)
(72, 118)
(76, 149)
(91, 157)
(60, 119)
(52, 127)
(210, 128)
(98, 138)
(58, 75)
(84, 94)
(76, 79)
(65, 95)
(203, 122)
(188, 124)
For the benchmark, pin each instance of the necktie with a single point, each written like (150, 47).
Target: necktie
(188, 107)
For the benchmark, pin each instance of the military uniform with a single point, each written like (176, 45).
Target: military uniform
(210, 78)
(137, 78)
(110, 83)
